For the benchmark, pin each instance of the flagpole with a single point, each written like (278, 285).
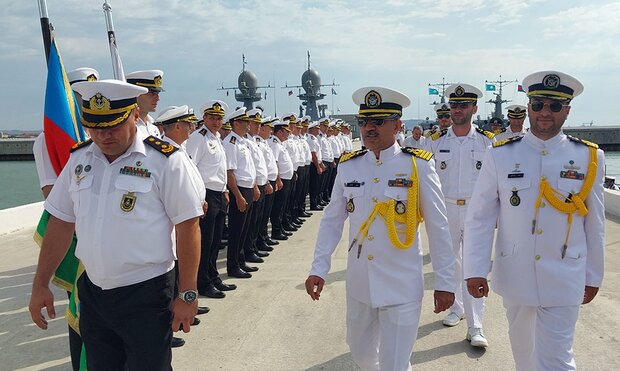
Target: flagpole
(46, 28)
(117, 65)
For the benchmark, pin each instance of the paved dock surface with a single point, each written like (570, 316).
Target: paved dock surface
(270, 324)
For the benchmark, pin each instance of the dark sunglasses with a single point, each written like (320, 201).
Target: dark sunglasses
(446, 116)
(370, 121)
(538, 105)
(461, 105)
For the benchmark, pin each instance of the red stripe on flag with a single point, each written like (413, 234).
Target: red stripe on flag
(58, 143)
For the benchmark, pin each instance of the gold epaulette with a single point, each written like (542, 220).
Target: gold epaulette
(161, 146)
(578, 140)
(79, 145)
(203, 132)
(506, 141)
(354, 154)
(439, 134)
(487, 134)
(417, 152)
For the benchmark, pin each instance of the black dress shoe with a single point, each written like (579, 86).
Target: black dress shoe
(271, 242)
(195, 322)
(212, 292)
(177, 342)
(253, 258)
(279, 237)
(261, 254)
(305, 214)
(239, 273)
(299, 220)
(247, 268)
(289, 228)
(224, 286)
(316, 208)
(202, 310)
(263, 247)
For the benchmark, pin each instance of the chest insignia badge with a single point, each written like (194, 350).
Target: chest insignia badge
(571, 166)
(515, 200)
(87, 168)
(354, 183)
(400, 207)
(350, 206)
(572, 174)
(136, 171)
(78, 173)
(400, 182)
(443, 165)
(128, 202)
(478, 165)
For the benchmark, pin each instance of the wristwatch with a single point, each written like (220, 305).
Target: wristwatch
(188, 296)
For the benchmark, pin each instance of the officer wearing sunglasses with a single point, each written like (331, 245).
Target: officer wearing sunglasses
(544, 191)
(443, 115)
(516, 117)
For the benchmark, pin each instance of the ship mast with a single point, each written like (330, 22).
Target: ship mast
(498, 101)
(443, 84)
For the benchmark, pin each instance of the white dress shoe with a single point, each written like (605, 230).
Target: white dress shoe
(452, 319)
(476, 337)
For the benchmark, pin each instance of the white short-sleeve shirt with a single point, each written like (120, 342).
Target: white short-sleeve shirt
(239, 159)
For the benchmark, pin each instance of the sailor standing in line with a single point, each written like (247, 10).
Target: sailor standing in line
(337, 150)
(206, 150)
(264, 242)
(152, 80)
(253, 254)
(328, 161)
(545, 191)
(346, 137)
(516, 117)
(290, 221)
(459, 152)
(243, 190)
(122, 184)
(384, 276)
(286, 170)
(307, 156)
(317, 167)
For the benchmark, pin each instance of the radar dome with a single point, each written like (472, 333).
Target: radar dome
(247, 80)
(311, 81)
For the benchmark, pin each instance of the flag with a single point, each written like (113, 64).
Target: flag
(117, 65)
(334, 92)
(433, 91)
(520, 88)
(491, 87)
(61, 114)
(290, 92)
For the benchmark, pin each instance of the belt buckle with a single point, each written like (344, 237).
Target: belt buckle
(460, 202)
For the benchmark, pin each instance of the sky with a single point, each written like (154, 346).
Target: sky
(400, 44)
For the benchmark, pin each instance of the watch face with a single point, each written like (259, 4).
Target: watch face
(189, 296)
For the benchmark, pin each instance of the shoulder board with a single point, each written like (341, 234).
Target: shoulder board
(587, 143)
(439, 134)
(487, 134)
(352, 155)
(233, 139)
(507, 141)
(417, 152)
(203, 132)
(161, 146)
(79, 145)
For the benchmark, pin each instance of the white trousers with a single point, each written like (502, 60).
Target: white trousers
(542, 337)
(381, 339)
(463, 302)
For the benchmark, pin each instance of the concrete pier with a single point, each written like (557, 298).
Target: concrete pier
(270, 324)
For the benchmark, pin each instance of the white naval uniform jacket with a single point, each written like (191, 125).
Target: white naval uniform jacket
(383, 274)
(458, 164)
(528, 269)
(120, 242)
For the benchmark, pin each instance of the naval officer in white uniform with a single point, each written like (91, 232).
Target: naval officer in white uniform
(147, 102)
(108, 191)
(384, 278)
(545, 190)
(459, 151)
(516, 117)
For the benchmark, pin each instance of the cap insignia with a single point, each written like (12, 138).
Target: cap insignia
(459, 91)
(372, 99)
(551, 81)
(157, 81)
(216, 107)
(91, 77)
(517, 110)
(99, 102)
